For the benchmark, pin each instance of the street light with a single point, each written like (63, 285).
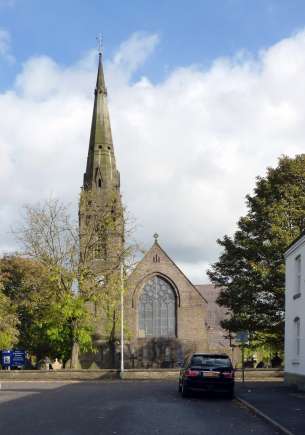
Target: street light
(122, 318)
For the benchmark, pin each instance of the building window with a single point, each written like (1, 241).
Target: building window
(297, 333)
(157, 309)
(156, 258)
(298, 274)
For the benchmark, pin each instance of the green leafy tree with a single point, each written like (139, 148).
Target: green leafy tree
(67, 322)
(8, 322)
(46, 314)
(250, 270)
(26, 285)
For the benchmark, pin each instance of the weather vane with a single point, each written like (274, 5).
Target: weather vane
(99, 40)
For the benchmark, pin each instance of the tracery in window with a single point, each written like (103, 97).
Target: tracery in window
(157, 309)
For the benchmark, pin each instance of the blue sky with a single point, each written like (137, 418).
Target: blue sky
(193, 31)
(198, 92)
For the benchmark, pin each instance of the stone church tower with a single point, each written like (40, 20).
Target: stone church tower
(166, 315)
(101, 211)
(101, 220)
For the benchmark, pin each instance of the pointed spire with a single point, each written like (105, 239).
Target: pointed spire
(101, 169)
(100, 80)
(101, 220)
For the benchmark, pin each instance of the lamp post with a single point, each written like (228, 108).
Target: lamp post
(122, 318)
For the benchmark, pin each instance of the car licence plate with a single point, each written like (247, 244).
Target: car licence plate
(210, 374)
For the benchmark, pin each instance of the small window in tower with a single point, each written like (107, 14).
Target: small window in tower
(100, 147)
(99, 182)
(109, 148)
(113, 214)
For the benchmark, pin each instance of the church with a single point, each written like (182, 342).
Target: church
(167, 317)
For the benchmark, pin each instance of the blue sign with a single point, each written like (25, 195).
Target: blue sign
(13, 359)
(18, 358)
(6, 358)
(242, 336)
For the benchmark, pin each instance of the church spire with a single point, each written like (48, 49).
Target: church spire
(101, 172)
(101, 219)
(100, 80)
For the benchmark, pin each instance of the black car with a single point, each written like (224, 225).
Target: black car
(207, 372)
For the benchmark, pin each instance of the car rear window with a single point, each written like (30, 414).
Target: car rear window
(213, 361)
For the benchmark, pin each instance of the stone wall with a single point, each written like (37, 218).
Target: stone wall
(136, 374)
(58, 375)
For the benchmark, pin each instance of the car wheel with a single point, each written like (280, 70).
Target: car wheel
(185, 391)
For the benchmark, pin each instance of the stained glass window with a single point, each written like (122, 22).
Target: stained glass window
(157, 309)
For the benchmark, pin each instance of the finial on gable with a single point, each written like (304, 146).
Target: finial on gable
(156, 236)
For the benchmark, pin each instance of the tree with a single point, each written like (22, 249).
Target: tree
(250, 270)
(28, 289)
(45, 313)
(8, 322)
(80, 297)
(58, 315)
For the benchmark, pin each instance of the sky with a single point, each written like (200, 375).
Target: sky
(203, 97)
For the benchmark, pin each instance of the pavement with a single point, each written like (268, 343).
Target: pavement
(282, 406)
(121, 408)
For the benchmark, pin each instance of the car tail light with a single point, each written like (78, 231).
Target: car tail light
(191, 373)
(229, 375)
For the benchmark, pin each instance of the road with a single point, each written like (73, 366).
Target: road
(115, 407)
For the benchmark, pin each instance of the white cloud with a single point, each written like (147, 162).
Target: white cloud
(5, 46)
(130, 56)
(188, 148)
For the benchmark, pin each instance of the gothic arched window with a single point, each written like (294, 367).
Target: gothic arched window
(157, 309)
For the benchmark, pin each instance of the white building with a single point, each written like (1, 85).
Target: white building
(295, 313)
